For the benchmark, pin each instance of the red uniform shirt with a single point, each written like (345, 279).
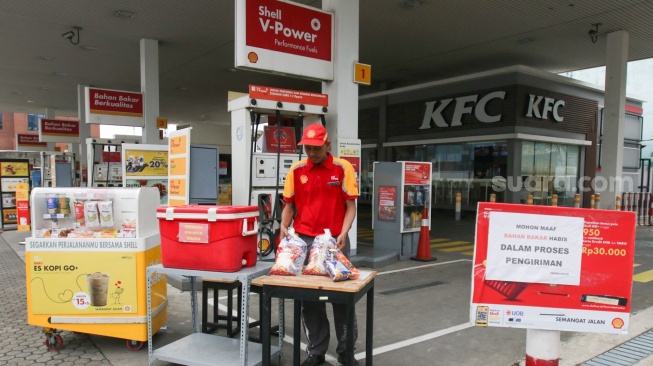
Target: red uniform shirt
(319, 193)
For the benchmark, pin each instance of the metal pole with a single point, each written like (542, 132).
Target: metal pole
(542, 347)
(458, 205)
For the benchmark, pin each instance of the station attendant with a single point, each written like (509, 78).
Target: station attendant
(320, 193)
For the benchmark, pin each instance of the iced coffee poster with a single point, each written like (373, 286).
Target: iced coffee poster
(553, 268)
(83, 283)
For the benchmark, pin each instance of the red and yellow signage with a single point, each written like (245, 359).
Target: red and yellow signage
(362, 74)
(23, 139)
(553, 268)
(114, 107)
(288, 95)
(53, 130)
(284, 37)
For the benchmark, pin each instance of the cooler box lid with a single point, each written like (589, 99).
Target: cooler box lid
(204, 212)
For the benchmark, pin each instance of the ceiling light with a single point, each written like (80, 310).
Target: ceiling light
(30, 101)
(124, 14)
(88, 48)
(60, 73)
(413, 3)
(46, 58)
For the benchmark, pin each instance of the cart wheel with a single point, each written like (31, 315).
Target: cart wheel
(135, 345)
(53, 343)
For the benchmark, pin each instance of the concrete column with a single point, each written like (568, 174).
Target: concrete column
(342, 119)
(150, 89)
(84, 133)
(49, 114)
(614, 114)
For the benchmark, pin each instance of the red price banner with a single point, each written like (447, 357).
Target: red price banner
(553, 268)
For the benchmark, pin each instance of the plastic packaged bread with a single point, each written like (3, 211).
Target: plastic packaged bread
(318, 254)
(290, 256)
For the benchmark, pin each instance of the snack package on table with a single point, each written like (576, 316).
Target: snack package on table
(318, 254)
(339, 267)
(290, 256)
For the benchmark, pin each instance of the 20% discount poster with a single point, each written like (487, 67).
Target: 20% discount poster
(553, 268)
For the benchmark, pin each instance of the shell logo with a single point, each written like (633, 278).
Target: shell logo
(252, 57)
(310, 134)
(617, 323)
(303, 179)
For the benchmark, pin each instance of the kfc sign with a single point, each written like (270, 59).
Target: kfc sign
(469, 104)
(547, 105)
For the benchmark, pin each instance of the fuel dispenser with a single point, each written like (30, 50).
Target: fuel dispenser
(260, 164)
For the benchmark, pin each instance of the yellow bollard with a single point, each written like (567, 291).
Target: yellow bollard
(592, 201)
(529, 200)
(597, 201)
(554, 200)
(617, 203)
(459, 200)
(577, 200)
(493, 197)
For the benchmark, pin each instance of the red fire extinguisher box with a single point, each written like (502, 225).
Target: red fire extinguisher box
(208, 238)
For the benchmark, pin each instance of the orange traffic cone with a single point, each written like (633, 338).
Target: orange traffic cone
(424, 248)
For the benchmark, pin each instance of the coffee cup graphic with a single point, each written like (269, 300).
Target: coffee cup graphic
(98, 287)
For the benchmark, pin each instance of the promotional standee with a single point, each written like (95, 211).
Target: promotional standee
(86, 260)
(402, 192)
(553, 268)
(146, 166)
(13, 172)
(259, 174)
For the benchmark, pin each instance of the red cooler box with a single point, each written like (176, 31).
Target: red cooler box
(209, 238)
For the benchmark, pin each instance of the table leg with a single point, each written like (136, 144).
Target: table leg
(193, 302)
(369, 334)
(350, 330)
(297, 337)
(266, 318)
(244, 320)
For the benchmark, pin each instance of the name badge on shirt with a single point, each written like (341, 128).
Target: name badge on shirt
(333, 184)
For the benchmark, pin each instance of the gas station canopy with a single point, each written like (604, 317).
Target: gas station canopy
(405, 41)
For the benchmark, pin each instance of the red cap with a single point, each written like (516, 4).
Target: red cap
(314, 135)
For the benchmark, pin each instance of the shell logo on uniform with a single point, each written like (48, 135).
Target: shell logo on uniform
(303, 179)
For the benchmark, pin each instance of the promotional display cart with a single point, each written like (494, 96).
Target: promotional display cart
(402, 192)
(86, 262)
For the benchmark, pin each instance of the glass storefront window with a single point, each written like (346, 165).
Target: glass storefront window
(466, 168)
(549, 169)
